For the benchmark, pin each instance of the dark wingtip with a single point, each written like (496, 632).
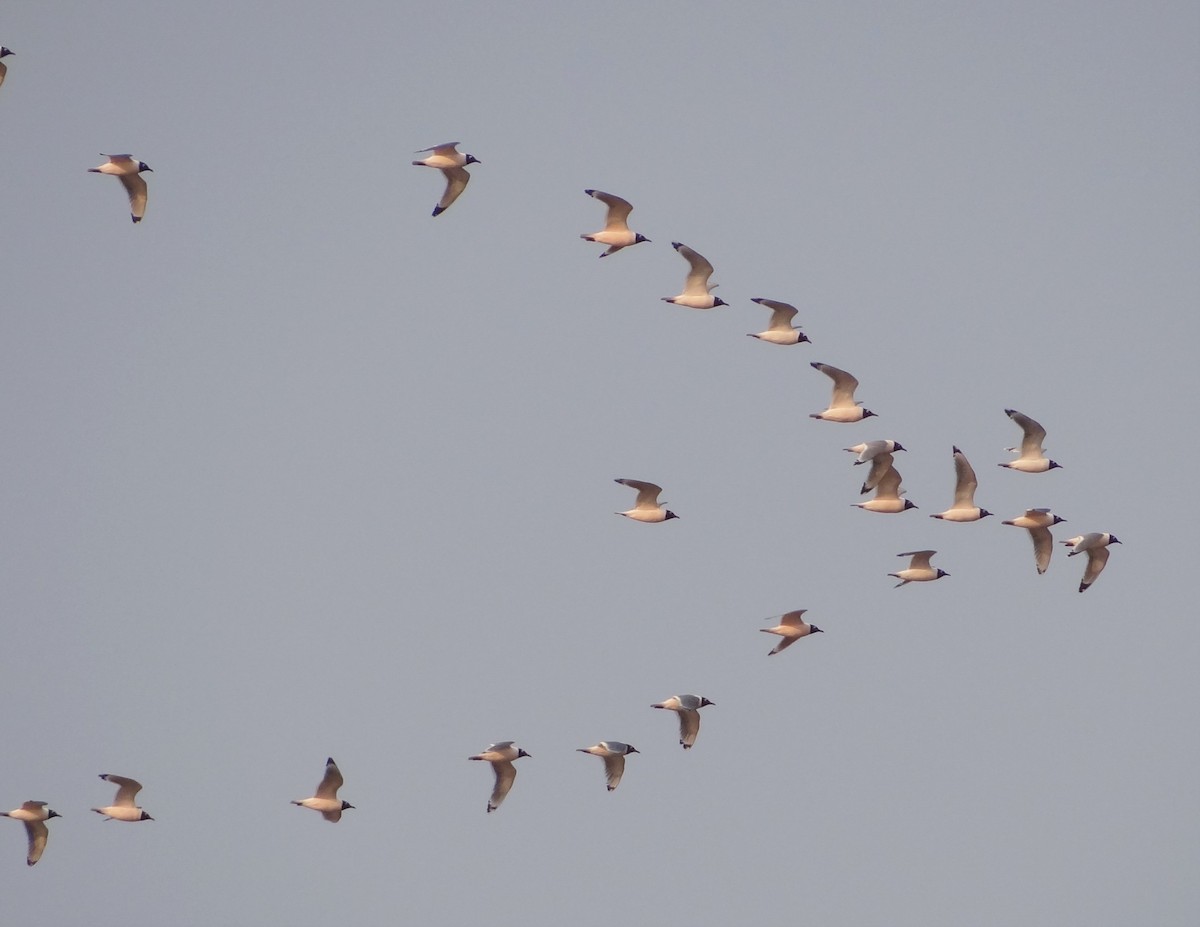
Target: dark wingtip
(676, 245)
(590, 192)
(438, 210)
(954, 449)
(136, 218)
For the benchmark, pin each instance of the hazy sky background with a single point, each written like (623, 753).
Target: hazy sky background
(294, 470)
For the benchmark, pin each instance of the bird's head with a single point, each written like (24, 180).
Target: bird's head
(867, 413)
(143, 166)
(5, 52)
(639, 238)
(1054, 465)
(984, 513)
(670, 515)
(942, 573)
(704, 701)
(1113, 539)
(813, 629)
(471, 159)
(346, 806)
(145, 817)
(909, 504)
(717, 301)
(52, 814)
(521, 753)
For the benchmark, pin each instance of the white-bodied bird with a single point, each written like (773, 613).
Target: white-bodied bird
(688, 708)
(613, 752)
(34, 815)
(326, 800)
(501, 756)
(919, 570)
(452, 163)
(791, 628)
(1032, 457)
(128, 171)
(123, 808)
(1038, 523)
(869, 450)
(616, 233)
(697, 292)
(842, 407)
(964, 507)
(780, 330)
(887, 499)
(1095, 545)
(646, 509)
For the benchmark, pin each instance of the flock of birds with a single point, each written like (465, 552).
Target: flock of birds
(883, 479)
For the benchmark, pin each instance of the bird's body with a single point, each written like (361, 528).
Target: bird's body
(1038, 523)
(613, 752)
(123, 808)
(688, 708)
(1032, 457)
(128, 170)
(919, 569)
(452, 163)
(697, 292)
(501, 756)
(616, 232)
(842, 407)
(887, 500)
(869, 450)
(34, 815)
(780, 330)
(647, 509)
(325, 800)
(791, 628)
(964, 508)
(1095, 545)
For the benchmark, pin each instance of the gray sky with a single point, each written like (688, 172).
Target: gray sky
(292, 469)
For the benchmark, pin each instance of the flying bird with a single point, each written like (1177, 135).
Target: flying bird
(872, 449)
(842, 407)
(613, 752)
(647, 508)
(326, 800)
(697, 293)
(501, 756)
(616, 233)
(128, 170)
(919, 570)
(688, 708)
(123, 807)
(780, 331)
(1095, 545)
(452, 163)
(791, 628)
(4, 52)
(1038, 523)
(34, 815)
(964, 507)
(1032, 457)
(887, 499)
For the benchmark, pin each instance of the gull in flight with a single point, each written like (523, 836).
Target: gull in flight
(780, 331)
(1095, 545)
(919, 570)
(616, 233)
(647, 508)
(964, 507)
(872, 449)
(4, 52)
(688, 708)
(887, 489)
(326, 800)
(123, 807)
(842, 407)
(501, 756)
(451, 162)
(697, 292)
(34, 815)
(1032, 457)
(613, 752)
(1038, 523)
(129, 171)
(791, 628)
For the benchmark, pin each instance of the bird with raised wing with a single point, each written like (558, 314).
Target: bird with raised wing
(780, 330)
(613, 752)
(1038, 523)
(869, 450)
(647, 508)
(688, 708)
(791, 628)
(128, 171)
(326, 800)
(123, 808)
(616, 233)
(842, 407)
(965, 483)
(887, 499)
(452, 163)
(697, 291)
(501, 756)
(34, 815)
(1032, 457)
(919, 569)
(1095, 545)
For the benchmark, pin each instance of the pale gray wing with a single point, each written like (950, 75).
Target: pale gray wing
(330, 783)
(920, 558)
(844, 385)
(127, 789)
(889, 484)
(457, 179)
(1035, 434)
(614, 768)
(880, 465)
(781, 314)
(1043, 547)
(793, 619)
(618, 210)
(506, 774)
(1097, 558)
(647, 493)
(445, 149)
(689, 727)
(136, 188)
(33, 805)
(699, 271)
(965, 481)
(37, 833)
(332, 816)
